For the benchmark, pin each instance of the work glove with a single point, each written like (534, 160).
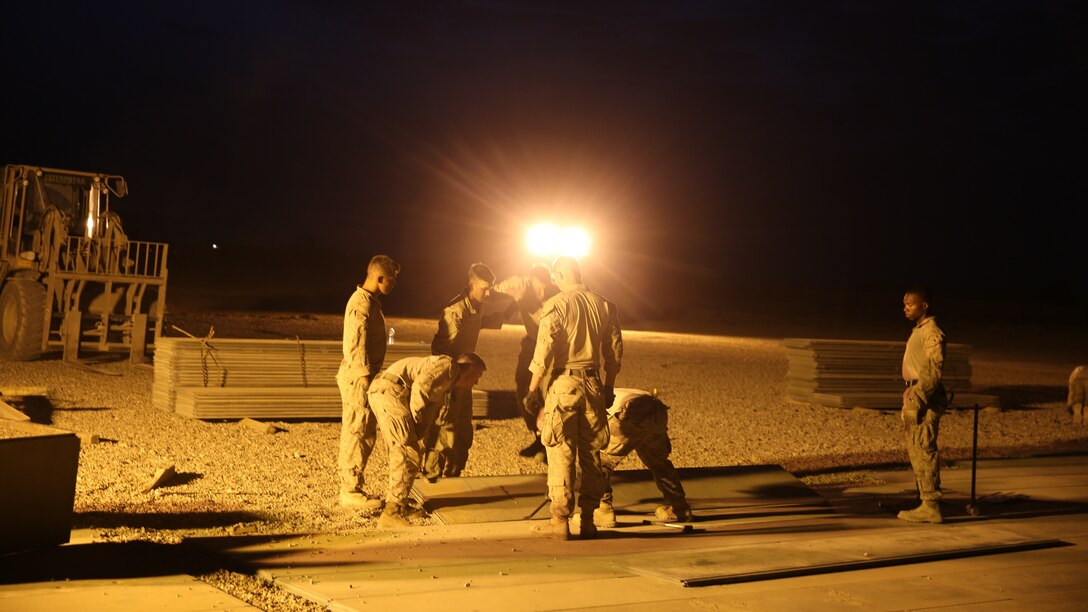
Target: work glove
(609, 396)
(533, 403)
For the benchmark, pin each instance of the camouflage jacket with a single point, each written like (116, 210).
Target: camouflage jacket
(428, 381)
(460, 324)
(923, 361)
(364, 337)
(579, 329)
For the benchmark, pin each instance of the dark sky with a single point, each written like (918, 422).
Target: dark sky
(853, 143)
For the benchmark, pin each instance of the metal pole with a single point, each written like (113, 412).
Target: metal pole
(972, 509)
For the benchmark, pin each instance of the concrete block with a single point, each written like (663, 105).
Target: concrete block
(38, 467)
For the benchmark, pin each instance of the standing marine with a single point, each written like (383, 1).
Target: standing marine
(458, 331)
(578, 352)
(924, 402)
(1078, 393)
(364, 353)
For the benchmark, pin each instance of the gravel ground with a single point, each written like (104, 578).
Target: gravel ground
(727, 408)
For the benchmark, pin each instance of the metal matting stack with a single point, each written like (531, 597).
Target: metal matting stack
(865, 373)
(229, 378)
(232, 378)
(493, 404)
(259, 402)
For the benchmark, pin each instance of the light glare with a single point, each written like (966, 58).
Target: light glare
(547, 239)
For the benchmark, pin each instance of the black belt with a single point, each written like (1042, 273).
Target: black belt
(393, 378)
(592, 372)
(910, 383)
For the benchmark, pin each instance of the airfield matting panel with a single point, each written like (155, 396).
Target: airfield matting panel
(868, 374)
(710, 492)
(773, 560)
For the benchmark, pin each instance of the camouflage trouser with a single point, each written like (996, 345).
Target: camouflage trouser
(643, 428)
(357, 434)
(390, 403)
(522, 378)
(921, 435)
(574, 428)
(1078, 393)
(451, 437)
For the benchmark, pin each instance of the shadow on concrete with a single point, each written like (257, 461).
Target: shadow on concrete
(751, 513)
(162, 520)
(104, 561)
(1017, 506)
(992, 506)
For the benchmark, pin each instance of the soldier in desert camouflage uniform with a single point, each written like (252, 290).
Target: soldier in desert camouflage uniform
(924, 401)
(406, 399)
(639, 422)
(1078, 393)
(364, 353)
(458, 331)
(529, 294)
(579, 333)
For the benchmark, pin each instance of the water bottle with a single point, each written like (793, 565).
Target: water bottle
(392, 332)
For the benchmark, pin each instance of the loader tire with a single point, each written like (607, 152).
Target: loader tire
(22, 319)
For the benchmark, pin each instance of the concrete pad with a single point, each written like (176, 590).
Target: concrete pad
(575, 594)
(1069, 601)
(170, 593)
(879, 595)
(87, 575)
(370, 582)
(1033, 580)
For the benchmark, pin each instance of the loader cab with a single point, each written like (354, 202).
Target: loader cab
(81, 198)
(31, 195)
(44, 191)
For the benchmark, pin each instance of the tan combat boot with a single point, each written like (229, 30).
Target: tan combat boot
(673, 514)
(927, 512)
(393, 517)
(604, 516)
(359, 501)
(411, 509)
(586, 529)
(556, 527)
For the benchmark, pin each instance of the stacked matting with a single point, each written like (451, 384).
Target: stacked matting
(234, 378)
(868, 374)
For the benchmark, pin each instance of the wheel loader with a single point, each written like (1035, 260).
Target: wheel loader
(70, 278)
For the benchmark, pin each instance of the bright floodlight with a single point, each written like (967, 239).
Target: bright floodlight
(547, 239)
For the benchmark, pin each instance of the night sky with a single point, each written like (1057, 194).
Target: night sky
(708, 145)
